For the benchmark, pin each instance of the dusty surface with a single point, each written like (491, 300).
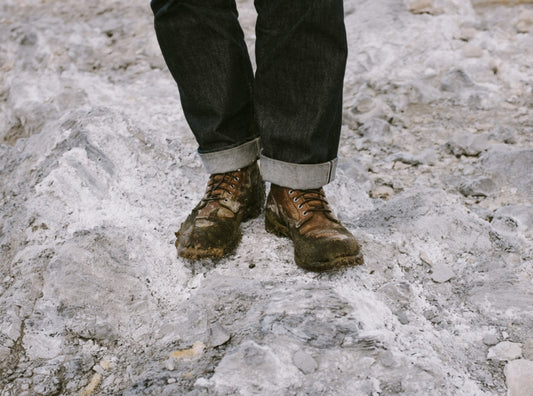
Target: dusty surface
(98, 169)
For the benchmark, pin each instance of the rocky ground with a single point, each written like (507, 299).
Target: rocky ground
(98, 169)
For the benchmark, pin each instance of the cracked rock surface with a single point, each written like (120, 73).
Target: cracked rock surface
(435, 178)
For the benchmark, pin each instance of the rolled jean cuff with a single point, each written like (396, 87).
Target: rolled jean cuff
(231, 159)
(297, 176)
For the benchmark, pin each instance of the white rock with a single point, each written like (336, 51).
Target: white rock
(519, 377)
(442, 273)
(472, 51)
(304, 362)
(490, 339)
(505, 350)
(524, 22)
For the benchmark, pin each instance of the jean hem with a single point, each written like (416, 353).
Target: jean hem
(231, 159)
(297, 176)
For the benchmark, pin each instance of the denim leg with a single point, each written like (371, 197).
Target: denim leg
(301, 52)
(203, 46)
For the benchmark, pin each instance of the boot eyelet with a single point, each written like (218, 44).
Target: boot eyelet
(291, 192)
(232, 185)
(305, 213)
(236, 178)
(300, 206)
(295, 199)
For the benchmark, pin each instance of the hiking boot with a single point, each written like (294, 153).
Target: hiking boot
(321, 242)
(212, 230)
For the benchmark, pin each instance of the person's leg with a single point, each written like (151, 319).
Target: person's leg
(301, 52)
(203, 46)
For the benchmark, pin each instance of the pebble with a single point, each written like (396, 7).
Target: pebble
(456, 80)
(505, 350)
(170, 364)
(305, 362)
(519, 377)
(442, 273)
(524, 22)
(186, 354)
(467, 33)
(478, 187)
(468, 144)
(382, 192)
(490, 339)
(472, 51)
(218, 335)
(402, 317)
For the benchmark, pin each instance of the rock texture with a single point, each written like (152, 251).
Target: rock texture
(98, 169)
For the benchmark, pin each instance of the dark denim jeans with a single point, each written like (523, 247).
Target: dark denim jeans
(292, 107)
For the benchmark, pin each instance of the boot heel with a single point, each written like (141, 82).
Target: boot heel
(273, 226)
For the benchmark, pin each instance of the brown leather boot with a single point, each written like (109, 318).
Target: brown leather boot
(321, 242)
(212, 230)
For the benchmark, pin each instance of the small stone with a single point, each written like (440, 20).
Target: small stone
(456, 80)
(442, 273)
(382, 192)
(524, 22)
(425, 258)
(170, 364)
(218, 335)
(505, 350)
(305, 362)
(467, 144)
(186, 354)
(364, 105)
(467, 33)
(402, 317)
(480, 187)
(105, 364)
(387, 359)
(505, 134)
(490, 339)
(519, 377)
(171, 380)
(472, 51)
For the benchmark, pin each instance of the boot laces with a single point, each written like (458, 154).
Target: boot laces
(219, 184)
(315, 199)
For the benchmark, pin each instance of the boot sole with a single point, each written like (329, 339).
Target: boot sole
(274, 226)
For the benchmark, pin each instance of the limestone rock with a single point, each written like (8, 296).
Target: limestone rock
(456, 80)
(442, 273)
(478, 187)
(524, 22)
(519, 377)
(304, 362)
(464, 143)
(490, 339)
(505, 350)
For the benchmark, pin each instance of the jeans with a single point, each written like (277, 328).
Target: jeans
(291, 107)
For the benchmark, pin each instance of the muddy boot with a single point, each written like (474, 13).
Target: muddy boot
(321, 242)
(212, 230)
